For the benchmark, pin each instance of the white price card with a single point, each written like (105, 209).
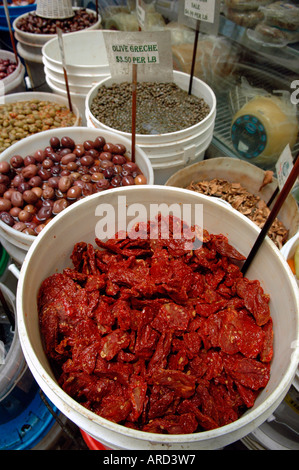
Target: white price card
(284, 166)
(202, 10)
(151, 51)
(202, 15)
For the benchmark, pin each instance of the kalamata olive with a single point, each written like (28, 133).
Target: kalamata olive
(3, 188)
(24, 216)
(35, 181)
(67, 142)
(64, 183)
(17, 199)
(88, 144)
(105, 156)
(116, 181)
(140, 179)
(23, 187)
(59, 205)
(119, 159)
(44, 173)
(79, 150)
(130, 166)
(96, 177)
(109, 147)
(39, 155)
(53, 182)
(38, 191)
(16, 161)
(120, 148)
(4, 167)
(29, 159)
(87, 160)
(108, 172)
(8, 193)
(5, 204)
(93, 152)
(7, 218)
(102, 184)
(87, 189)
(74, 192)
(4, 179)
(127, 180)
(64, 151)
(70, 157)
(54, 142)
(44, 213)
(47, 163)
(48, 192)
(20, 226)
(28, 231)
(30, 208)
(14, 211)
(18, 179)
(99, 142)
(30, 196)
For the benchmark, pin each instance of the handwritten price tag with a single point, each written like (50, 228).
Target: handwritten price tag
(284, 166)
(150, 51)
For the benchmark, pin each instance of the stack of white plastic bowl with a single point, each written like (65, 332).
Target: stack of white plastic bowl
(86, 64)
(172, 151)
(29, 47)
(14, 82)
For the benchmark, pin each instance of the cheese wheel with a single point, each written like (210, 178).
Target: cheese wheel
(262, 128)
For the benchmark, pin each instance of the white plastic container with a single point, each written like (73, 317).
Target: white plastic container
(17, 243)
(174, 150)
(29, 47)
(78, 223)
(85, 54)
(32, 39)
(14, 82)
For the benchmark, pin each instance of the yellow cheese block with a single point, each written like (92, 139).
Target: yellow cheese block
(262, 128)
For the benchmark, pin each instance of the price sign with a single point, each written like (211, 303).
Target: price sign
(150, 51)
(200, 14)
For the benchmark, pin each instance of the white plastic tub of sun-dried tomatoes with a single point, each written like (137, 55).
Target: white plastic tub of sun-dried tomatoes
(157, 415)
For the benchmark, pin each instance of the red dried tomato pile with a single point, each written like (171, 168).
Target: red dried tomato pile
(157, 338)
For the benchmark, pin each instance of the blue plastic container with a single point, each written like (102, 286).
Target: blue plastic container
(14, 12)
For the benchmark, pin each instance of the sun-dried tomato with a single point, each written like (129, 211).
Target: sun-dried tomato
(149, 333)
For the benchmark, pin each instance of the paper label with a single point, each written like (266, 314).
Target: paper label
(201, 15)
(202, 10)
(150, 51)
(284, 166)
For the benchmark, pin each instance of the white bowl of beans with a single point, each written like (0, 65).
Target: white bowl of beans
(47, 172)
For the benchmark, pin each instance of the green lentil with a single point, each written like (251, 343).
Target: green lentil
(160, 107)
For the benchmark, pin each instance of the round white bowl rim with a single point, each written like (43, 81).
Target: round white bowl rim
(212, 112)
(141, 435)
(28, 239)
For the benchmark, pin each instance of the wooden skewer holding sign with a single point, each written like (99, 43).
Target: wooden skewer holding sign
(134, 101)
(276, 208)
(60, 42)
(193, 57)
